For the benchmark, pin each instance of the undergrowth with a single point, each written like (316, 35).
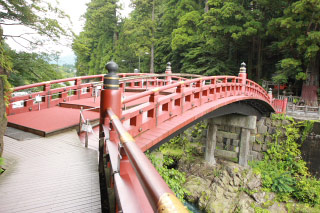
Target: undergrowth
(173, 177)
(283, 170)
(1, 164)
(172, 151)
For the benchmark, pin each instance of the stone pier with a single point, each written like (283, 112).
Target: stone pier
(230, 137)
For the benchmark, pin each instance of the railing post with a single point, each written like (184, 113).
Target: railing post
(285, 105)
(110, 99)
(47, 88)
(168, 72)
(78, 90)
(111, 94)
(154, 99)
(80, 120)
(86, 137)
(243, 76)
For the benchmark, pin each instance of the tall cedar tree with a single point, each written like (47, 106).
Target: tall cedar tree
(95, 45)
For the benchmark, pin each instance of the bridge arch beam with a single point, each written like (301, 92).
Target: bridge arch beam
(250, 107)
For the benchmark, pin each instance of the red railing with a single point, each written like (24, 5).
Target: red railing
(154, 106)
(50, 96)
(280, 106)
(160, 196)
(182, 96)
(79, 89)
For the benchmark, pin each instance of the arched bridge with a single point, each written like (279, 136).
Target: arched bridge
(138, 112)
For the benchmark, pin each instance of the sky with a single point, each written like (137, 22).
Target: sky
(75, 9)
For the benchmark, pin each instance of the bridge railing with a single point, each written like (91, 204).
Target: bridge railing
(162, 103)
(48, 94)
(154, 106)
(160, 196)
(280, 106)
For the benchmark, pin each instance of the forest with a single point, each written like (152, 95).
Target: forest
(277, 39)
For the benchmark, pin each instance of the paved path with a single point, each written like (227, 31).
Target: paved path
(54, 174)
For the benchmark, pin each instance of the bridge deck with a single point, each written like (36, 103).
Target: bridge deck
(49, 121)
(54, 174)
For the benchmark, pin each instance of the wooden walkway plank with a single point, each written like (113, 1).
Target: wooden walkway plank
(54, 174)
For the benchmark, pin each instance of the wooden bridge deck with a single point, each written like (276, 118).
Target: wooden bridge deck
(53, 174)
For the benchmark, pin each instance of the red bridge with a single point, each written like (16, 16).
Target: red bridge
(136, 112)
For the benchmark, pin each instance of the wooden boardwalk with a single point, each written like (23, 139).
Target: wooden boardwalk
(53, 174)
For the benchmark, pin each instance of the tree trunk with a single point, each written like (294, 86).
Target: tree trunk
(260, 60)
(206, 6)
(3, 117)
(310, 87)
(152, 45)
(250, 60)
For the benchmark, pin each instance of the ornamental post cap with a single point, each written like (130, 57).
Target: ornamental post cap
(270, 90)
(243, 67)
(169, 64)
(136, 71)
(112, 67)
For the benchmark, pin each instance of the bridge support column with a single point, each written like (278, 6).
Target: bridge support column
(232, 145)
(244, 147)
(211, 142)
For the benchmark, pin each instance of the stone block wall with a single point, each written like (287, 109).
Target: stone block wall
(233, 130)
(228, 138)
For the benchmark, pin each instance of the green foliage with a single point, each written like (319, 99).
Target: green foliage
(1, 164)
(283, 171)
(301, 76)
(35, 15)
(173, 177)
(7, 89)
(288, 67)
(30, 68)
(94, 47)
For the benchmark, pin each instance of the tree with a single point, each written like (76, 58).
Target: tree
(31, 68)
(298, 33)
(33, 14)
(141, 27)
(96, 44)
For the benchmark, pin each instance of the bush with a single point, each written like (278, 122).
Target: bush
(173, 177)
(283, 170)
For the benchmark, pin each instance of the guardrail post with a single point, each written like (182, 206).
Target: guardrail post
(154, 99)
(285, 105)
(243, 76)
(80, 120)
(110, 95)
(47, 88)
(78, 84)
(110, 99)
(180, 89)
(168, 72)
(86, 137)
(305, 109)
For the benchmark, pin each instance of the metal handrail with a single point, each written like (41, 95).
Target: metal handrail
(160, 196)
(87, 122)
